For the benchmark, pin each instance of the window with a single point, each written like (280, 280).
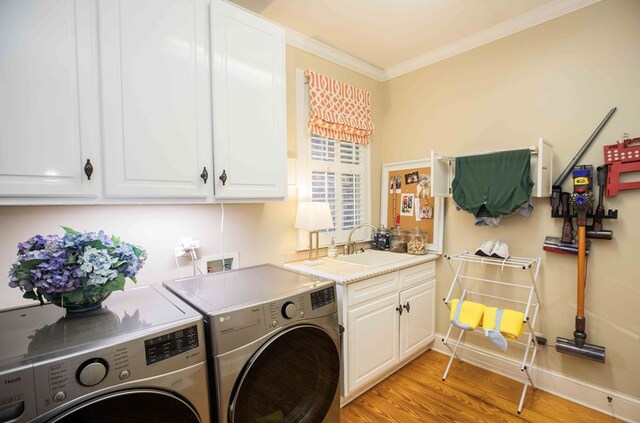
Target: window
(336, 172)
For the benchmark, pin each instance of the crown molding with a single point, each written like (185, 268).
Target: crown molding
(308, 44)
(528, 20)
(519, 23)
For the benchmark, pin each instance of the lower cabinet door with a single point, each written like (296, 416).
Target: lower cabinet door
(372, 335)
(417, 324)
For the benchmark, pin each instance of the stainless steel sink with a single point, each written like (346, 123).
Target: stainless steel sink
(372, 258)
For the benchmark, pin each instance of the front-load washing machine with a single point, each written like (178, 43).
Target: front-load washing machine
(273, 343)
(141, 358)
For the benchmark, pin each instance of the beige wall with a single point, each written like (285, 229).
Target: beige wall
(557, 80)
(258, 232)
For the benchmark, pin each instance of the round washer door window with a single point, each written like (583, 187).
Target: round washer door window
(135, 406)
(292, 378)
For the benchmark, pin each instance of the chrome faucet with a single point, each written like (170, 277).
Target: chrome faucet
(349, 248)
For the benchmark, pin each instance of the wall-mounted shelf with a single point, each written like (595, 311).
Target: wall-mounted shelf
(443, 169)
(519, 296)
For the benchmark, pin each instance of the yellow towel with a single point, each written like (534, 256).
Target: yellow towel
(469, 315)
(512, 323)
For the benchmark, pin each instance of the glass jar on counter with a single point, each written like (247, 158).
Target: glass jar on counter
(417, 243)
(399, 239)
(381, 238)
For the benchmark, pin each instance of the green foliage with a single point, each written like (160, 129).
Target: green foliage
(69, 230)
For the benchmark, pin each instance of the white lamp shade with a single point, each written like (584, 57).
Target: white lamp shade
(313, 216)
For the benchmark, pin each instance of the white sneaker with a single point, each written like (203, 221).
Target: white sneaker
(500, 250)
(486, 248)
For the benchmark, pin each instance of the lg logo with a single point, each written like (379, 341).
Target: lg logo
(10, 381)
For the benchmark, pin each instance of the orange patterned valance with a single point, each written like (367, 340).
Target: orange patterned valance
(337, 110)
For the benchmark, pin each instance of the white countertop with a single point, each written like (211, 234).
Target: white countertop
(344, 273)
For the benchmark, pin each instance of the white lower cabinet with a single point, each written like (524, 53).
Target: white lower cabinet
(417, 326)
(388, 320)
(373, 335)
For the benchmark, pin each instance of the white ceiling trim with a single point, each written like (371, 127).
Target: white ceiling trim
(336, 56)
(504, 29)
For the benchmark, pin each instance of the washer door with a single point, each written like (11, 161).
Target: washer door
(292, 378)
(134, 406)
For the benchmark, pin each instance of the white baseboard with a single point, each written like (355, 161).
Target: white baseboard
(621, 406)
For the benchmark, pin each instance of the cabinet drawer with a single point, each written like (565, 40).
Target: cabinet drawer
(369, 289)
(416, 274)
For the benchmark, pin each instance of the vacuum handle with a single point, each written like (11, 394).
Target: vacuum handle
(584, 148)
(582, 268)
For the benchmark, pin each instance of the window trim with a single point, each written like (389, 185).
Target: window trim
(304, 169)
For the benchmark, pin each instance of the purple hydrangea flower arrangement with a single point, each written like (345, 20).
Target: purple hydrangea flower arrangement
(77, 269)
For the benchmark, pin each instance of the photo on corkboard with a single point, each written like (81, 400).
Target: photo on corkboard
(426, 212)
(424, 186)
(395, 183)
(406, 205)
(411, 178)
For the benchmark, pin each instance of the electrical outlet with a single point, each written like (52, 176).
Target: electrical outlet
(185, 246)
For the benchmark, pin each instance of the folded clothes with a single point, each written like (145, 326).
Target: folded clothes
(501, 323)
(466, 315)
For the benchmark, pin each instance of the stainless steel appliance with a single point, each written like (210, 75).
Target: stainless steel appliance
(273, 344)
(140, 358)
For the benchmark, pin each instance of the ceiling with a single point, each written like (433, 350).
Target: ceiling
(389, 35)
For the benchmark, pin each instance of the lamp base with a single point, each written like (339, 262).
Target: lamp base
(313, 262)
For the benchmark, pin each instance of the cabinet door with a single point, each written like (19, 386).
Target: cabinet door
(249, 109)
(372, 340)
(48, 124)
(442, 171)
(417, 324)
(155, 96)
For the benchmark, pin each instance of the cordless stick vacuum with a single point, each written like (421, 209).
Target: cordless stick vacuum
(581, 201)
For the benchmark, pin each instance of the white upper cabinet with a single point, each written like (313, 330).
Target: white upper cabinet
(48, 113)
(249, 105)
(155, 99)
(127, 85)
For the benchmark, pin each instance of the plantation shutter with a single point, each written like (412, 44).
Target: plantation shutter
(338, 179)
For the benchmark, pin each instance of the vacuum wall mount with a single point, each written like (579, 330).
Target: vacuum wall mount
(578, 207)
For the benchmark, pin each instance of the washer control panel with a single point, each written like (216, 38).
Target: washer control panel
(323, 297)
(236, 328)
(70, 378)
(308, 305)
(170, 344)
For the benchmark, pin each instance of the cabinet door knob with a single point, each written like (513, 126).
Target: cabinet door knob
(204, 175)
(399, 310)
(407, 306)
(88, 169)
(223, 177)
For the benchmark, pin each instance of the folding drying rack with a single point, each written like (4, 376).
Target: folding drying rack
(529, 307)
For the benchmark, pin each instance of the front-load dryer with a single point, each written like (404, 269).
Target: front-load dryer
(273, 344)
(141, 358)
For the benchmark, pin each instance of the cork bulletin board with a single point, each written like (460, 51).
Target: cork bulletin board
(406, 197)
(409, 200)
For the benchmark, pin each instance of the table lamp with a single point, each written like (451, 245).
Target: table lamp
(313, 216)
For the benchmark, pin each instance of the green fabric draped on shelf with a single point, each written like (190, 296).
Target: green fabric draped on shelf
(493, 185)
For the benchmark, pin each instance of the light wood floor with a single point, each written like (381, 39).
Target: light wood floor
(416, 393)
